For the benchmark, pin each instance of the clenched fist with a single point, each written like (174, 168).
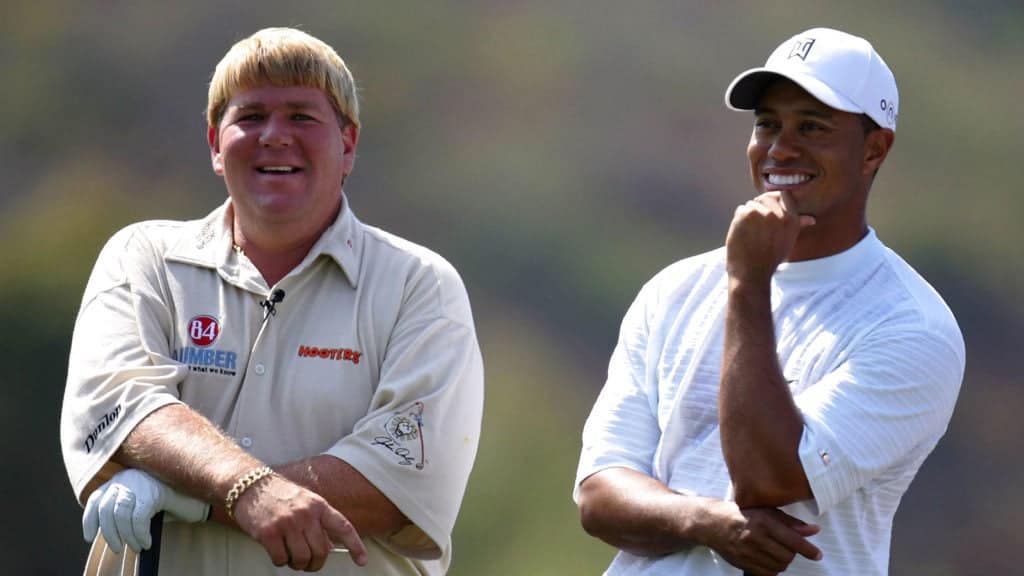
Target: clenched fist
(762, 235)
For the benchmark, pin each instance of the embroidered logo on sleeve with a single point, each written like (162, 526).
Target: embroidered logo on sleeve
(404, 436)
(202, 332)
(108, 421)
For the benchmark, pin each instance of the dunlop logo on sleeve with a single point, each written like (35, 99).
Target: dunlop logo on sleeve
(108, 421)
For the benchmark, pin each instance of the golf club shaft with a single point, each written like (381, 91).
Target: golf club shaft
(149, 560)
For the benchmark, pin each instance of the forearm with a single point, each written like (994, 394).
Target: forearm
(185, 450)
(640, 515)
(348, 491)
(189, 453)
(760, 424)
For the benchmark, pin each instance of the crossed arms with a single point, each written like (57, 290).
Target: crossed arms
(760, 428)
(875, 414)
(122, 370)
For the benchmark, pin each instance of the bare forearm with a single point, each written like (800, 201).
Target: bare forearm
(185, 450)
(760, 423)
(182, 448)
(638, 514)
(348, 491)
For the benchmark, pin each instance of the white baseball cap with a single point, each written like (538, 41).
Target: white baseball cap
(839, 69)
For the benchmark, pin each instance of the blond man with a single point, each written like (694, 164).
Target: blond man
(295, 389)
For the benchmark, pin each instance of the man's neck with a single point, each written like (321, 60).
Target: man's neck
(274, 252)
(814, 244)
(273, 264)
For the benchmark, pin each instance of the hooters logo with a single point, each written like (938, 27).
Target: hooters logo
(203, 330)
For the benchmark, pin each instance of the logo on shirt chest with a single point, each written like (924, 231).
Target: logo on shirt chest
(337, 354)
(203, 331)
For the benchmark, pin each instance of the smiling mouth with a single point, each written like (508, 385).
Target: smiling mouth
(278, 170)
(787, 179)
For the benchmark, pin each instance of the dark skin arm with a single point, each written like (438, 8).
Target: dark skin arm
(640, 515)
(760, 423)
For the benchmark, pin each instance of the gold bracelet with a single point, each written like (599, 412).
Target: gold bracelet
(243, 484)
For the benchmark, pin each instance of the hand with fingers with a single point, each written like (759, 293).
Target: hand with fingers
(296, 526)
(761, 541)
(762, 234)
(123, 506)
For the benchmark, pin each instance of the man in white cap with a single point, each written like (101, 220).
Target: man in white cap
(768, 403)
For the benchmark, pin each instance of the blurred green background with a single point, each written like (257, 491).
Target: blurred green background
(559, 154)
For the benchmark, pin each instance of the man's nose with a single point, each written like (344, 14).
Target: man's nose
(784, 146)
(276, 131)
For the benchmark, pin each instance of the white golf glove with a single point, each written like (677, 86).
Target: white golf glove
(124, 505)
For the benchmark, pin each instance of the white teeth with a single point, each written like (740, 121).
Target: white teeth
(287, 169)
(787, 179)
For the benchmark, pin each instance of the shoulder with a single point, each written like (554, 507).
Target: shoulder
(922, 304)
(151, 237)
(135, 248)
(423, 272)
(698, 273)
(684, 284)
(392, 252)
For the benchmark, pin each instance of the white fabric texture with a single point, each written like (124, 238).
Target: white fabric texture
(874, 359)
(371, 356)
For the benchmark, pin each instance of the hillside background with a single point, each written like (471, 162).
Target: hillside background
(558, 154)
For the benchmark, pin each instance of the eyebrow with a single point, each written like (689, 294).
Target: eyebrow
(291, 104)
(812, 112)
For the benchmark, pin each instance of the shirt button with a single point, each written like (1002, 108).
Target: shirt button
(825, 457)
(246, 442)
(260, 369)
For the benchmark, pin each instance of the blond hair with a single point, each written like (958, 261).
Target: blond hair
(283, 57)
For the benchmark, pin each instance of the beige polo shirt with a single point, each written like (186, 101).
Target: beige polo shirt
(371, 356)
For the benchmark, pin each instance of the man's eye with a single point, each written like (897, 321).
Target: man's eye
(764, 124)
(249, 117)
(811, 126)
(302, 117)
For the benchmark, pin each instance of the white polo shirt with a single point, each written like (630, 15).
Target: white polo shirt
(371, 356)
(874, 360)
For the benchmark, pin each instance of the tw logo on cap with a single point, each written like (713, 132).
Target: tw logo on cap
(801, 48)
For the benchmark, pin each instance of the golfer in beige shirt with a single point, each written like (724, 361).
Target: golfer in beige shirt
(284, 381)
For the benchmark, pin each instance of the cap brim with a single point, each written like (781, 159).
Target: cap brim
(746, 90)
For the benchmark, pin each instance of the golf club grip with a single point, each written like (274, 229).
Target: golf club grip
(149, 560)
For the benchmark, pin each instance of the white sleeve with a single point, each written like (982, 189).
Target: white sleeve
(120, 368)
(890, 401)
(418, 442)
(622, 429)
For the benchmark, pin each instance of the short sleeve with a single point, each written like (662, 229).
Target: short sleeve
(880, 412)
(622, 429)
(418, 442)
(120, 369)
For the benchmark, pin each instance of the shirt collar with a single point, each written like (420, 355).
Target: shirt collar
(209, 243)
(342, 242)
(845, 264)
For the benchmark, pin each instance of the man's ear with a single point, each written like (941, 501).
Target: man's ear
(213, 139)
(349, 139)
(877, 144)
